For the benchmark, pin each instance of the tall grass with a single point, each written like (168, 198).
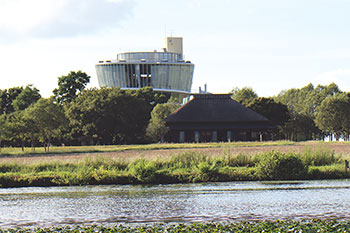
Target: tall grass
(319, 156)
(186, 160)
(239, 160)
(183, 167)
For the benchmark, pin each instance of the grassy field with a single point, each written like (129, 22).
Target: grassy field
(173, 163)
(311, 226)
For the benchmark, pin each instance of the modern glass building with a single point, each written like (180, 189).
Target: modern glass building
(164, 71)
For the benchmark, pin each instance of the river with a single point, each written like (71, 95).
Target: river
(115, 204)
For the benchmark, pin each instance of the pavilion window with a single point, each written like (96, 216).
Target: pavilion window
(254, 135)
(214, 136)
(229, 135)
(196, 136)
(182, 136)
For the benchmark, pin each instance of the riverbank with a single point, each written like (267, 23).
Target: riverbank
(246, 226)
(187, 166)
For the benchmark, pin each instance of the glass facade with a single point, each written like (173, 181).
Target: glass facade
(162, 71)
(150, 56)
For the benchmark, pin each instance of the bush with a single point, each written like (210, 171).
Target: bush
(280, 166)
(206, 172)
(142, 170)
(207, 168)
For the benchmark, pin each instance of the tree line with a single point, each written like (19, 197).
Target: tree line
(307, 113)
(75, 115)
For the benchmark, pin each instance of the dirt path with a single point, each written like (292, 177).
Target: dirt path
(338, 148)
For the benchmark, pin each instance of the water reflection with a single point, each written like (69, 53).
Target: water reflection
(174, 203)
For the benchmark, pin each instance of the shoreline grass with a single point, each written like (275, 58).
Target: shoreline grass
(185, 167)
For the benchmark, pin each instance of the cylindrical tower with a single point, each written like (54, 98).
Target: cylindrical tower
(163, 71)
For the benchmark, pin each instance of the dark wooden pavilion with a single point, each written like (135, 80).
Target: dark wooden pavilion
(216, 117)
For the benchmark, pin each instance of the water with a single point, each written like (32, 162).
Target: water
(110, 205)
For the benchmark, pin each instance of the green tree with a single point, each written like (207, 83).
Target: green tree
(49, 119)
(301, 128)
(28, 96)
(295, 98)
(3, 129)
(244, 95)
(16, 128)
(152, 98)
(110, 115)
(7, 97)
(157, 128)
(303, 104)
(276, 112)
(70, 85)
(333, 115)
(32, 129)
(306, 99)
(314, 98)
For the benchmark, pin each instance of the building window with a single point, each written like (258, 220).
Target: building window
(182, 136)
(229, 135)
(214, 135)
(196, 136)
(254, 135)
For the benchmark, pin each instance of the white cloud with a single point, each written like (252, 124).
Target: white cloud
(22, 15)
(60, 18)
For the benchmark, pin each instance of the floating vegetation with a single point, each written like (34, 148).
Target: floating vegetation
(309, 226)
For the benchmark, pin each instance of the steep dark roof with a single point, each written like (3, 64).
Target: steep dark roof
(214, 108)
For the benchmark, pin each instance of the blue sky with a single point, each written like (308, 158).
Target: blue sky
(268, 45)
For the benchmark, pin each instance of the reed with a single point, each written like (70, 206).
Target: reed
(187, 166)
(319, 156)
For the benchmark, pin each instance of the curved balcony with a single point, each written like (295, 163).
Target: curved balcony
(149, 57)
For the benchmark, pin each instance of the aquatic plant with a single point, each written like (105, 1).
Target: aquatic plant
(307, 225)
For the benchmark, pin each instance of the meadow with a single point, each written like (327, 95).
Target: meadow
(173, 163)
